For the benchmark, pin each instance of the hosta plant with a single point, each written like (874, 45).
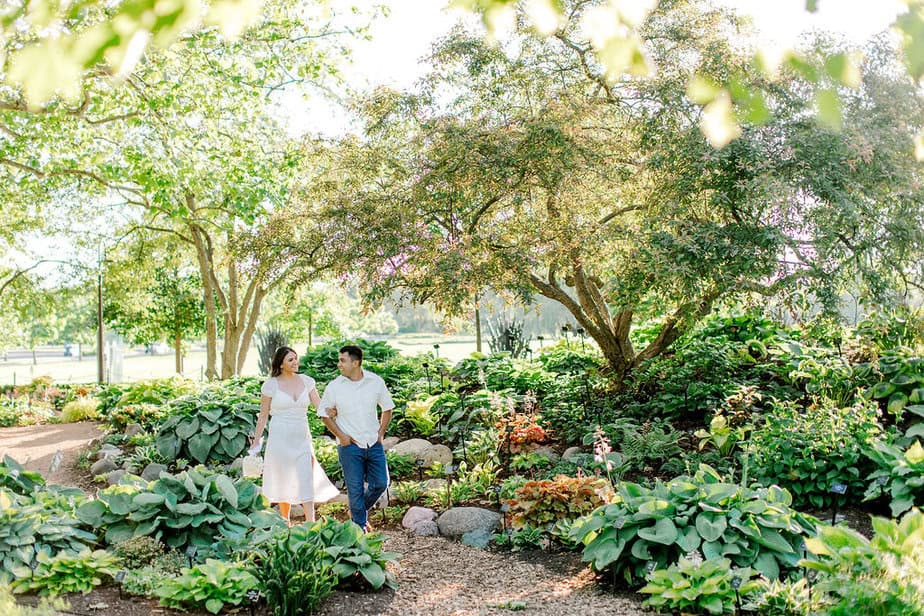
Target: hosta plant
(295, 576)
(68, 572)
(15, 477)
(351, 553)
(703, 587)
(212, 585)
(212, 425)
(43, 523)
(543, 503)
(752, 528)
(192, 507)
(899, 476)
(46, 607)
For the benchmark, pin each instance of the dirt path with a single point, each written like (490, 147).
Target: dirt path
(35, 447)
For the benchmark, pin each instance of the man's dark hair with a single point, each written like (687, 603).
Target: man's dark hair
(355, 353)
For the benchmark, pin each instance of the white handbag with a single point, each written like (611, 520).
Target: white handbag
(253, 461)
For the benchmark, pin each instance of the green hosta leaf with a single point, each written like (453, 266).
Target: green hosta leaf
(200, 445)
(915, 453)
(664, 531)
(227, 489)
(915, 431)
(374, 574)
(767, 564)
(896, 403)
(710, 527)
(91, 513)
(881, 390)
(917, 395)
(187, 428)
(902, 380)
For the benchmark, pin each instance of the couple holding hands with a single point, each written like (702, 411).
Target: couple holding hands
(349, 409)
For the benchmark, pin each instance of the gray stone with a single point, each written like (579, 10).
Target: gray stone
(416, 515)
(389, 442)
(103, 467)
(547, 452)
(478, 538)
(109, 446)
(127, 464)
(413, 447)
(460, 520)
(115, 476)
(434, 485)
(237, 465)
(571, 453)
(133, 428)
(425, 529)
(437, 453)
(107, 451)
(296, 511)
(153, 470)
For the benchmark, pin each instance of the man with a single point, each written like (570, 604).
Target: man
(354, 397)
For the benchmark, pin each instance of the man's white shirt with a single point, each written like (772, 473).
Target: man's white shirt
(357, 405)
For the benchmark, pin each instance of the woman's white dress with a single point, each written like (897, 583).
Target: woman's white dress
(288, 473)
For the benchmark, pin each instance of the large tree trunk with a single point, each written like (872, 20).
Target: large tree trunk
(611, 332)
(178, 352)
(204, 258)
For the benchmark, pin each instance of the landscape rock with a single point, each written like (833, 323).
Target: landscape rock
(114, 477)
(547, 452)
(460, 520)
(107, 451)
(478, 538)
(103, 466)
(153, 470)
(389, 442)
(437, 453)
(237, 465)
(416, 515)
(413, 447)
(133, 428)
(425, 529)
(571, 453)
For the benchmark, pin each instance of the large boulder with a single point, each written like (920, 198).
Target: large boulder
(412, 447)
(547, 452)
(153, 470)
(103, 466)
(114, 477)
(416, 515)
(389, 442)
(436, 453)
(425, 529)
(132, 429)
(461, 520)
(572, 453)
(107, 451)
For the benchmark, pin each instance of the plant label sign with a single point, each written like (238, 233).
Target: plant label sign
(839, 488)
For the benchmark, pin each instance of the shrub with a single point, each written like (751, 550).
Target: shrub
(523, 538)
(191, 507)
(80, 410)
(211, 585)
(521, 431)
(901, 386)
(698, 587)
(879, 576)
(543, 503)
(67, 572)
(268, 340)
(808, 450)
(138, 552)
(320, 361)
(326, 453)
(22, 411)
(400, 465)
(406, 492)
(294, 576)
(146, 580)
(350, 552)
(900, 474)
(752, 528)
(155, 391)
(13, 476)
(9, 606)
(212, 425)
(149, 416)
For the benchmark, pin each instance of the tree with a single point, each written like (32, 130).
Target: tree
(523, 170)
(191, 145)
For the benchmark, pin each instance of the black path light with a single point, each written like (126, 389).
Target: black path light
(736, 584)
(540, 339)
(119, 578)
(191, 554)
(564, 332)
(436, 347)
(837, 488)
(426, 366)
(582, 333)
(420, 467)
(254, 597)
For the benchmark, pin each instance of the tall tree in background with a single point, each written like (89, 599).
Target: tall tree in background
(525, 170)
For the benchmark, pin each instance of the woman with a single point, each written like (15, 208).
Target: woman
(291, 473)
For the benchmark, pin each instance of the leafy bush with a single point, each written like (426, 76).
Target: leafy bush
(149, 416)
(191, 507)
(138, 552)
(406, 492)
(520, 432)
(400, 465)
(543, 503)
(320, 361)
(294, 576)
(213, 425)
(22, 411)
(698, 588)
(808, 450)
(9, 606)
(900, 474)
(67, 572)
(14, 476)
(40, 523)
(80, 410)
(418, 416)
(351, 553)
(326, 453)
(879, 576)
(901, 386)
(523, 538)
(146, 580)
(211, 585)
(155, 391)
(753, 528)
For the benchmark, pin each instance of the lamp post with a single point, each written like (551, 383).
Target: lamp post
(564, 332)
(581, 332)
(540, 339)
(426, 366)
(436, 347)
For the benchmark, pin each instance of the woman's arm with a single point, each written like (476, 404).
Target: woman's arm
(265, 402)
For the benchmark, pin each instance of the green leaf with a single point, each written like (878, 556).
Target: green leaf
(915, 453)
(710, 527)
(200, 445)
(374, 574)
(226, 489)
(664, 531)
(881, 390)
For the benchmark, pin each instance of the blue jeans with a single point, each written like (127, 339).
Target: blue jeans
(365, 473)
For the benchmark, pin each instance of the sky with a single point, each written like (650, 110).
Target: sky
(400, 40)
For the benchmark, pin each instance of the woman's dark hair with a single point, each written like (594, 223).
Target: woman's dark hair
(278, 357)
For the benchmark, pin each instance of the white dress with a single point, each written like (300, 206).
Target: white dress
(288, 474)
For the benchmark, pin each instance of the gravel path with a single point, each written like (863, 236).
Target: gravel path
(438, 577)
(35, 447)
